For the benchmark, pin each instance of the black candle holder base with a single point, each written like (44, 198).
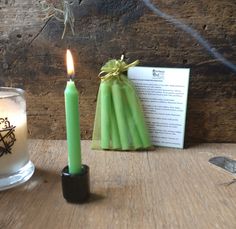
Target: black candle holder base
(76, 187)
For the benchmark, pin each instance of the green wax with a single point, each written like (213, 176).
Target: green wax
(118, 97)
(96, 142)
(73, 128)
(115, 138)
(138, 116)
(135, 138)
(105, 114)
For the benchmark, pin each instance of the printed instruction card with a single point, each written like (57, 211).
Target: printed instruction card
(163, 93)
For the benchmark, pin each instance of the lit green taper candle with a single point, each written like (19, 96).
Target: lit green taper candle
(72, 119)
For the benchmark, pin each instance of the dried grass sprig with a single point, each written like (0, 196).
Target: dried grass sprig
(63, 13)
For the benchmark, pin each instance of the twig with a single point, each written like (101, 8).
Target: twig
(65, 14)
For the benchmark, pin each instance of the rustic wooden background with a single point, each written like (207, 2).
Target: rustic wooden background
(32, 57)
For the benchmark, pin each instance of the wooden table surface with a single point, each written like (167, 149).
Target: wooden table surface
(165, 188)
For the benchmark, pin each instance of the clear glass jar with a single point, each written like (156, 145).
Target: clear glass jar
(15, 166)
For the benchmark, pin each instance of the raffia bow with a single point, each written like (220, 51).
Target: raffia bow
(113, 68)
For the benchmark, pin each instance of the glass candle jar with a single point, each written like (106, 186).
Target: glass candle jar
(15, 166)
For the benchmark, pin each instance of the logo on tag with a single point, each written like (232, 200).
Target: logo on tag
(158, 75)
(7, 136)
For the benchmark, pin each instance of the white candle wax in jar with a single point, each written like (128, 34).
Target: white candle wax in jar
(13, 132)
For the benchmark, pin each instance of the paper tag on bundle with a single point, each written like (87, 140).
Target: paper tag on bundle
(163, 93)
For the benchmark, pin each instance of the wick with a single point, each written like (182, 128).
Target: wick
(71, 77)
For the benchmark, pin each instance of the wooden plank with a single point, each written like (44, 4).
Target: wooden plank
(165, 188)
(32, 57)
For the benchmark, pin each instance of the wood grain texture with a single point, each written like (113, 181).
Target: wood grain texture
(165, 188)
(32, 57)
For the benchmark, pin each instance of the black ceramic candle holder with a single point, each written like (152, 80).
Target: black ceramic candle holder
(76, 187)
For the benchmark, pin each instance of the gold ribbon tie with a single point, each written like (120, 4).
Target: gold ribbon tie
(113, 68)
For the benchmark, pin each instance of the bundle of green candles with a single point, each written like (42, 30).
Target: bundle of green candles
(119, 121)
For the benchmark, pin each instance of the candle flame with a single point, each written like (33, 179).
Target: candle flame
(70, 64)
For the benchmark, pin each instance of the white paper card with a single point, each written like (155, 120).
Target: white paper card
(163, 93)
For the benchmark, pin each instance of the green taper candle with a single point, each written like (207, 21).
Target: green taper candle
(134, 135)
(72, 120)
(115, 138)
(105, 90)
(137, 114)
(118, 97)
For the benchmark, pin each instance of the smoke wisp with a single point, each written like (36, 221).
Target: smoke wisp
(218, 56)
